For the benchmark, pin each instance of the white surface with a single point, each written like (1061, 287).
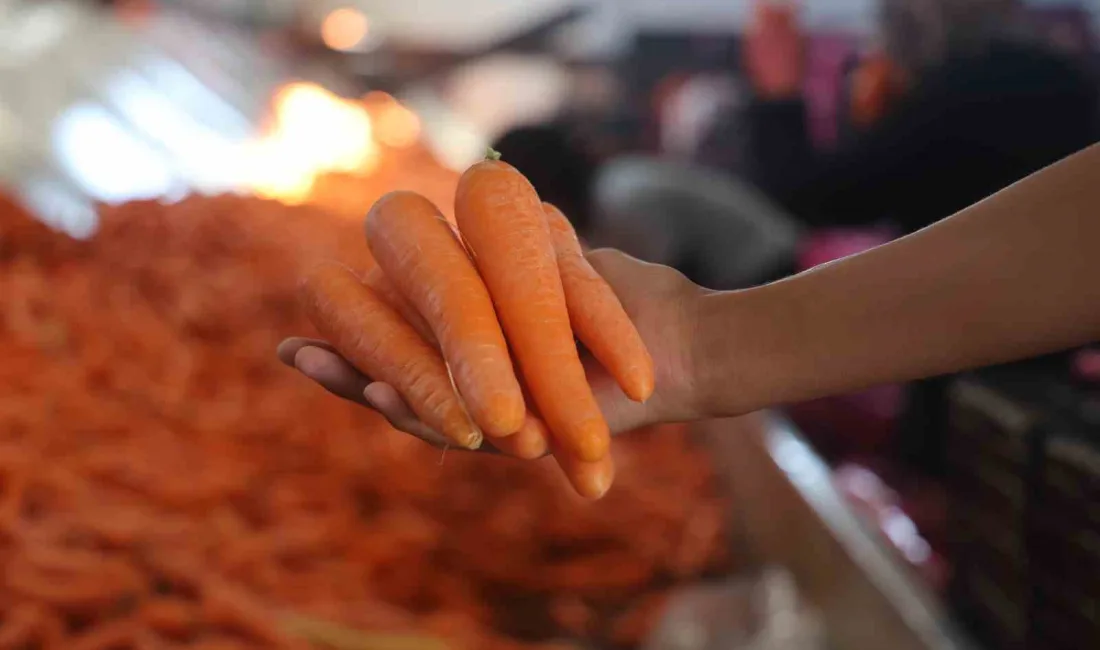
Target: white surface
(456, 24)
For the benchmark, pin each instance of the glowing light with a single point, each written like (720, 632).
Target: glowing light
(313, 132)
(105, 159)
(397, 126)
(344, 29)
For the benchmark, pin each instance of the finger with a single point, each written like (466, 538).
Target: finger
(332, 372)
(635, 282)
(289, 348)
(387, 401)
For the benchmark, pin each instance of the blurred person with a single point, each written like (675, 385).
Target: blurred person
(954, 103)
(988, 285)
(720, 232)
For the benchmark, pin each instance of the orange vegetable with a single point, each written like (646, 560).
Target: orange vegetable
(113, 634)
(384, 289)
(136, 479)
(501, 218)
(591, 480)
(377, 341)
(416, 248)
(172, 617)
(531, 442)
(17, 627)
(597, 316)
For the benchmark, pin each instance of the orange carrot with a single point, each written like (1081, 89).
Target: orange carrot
(228, 606)
(17, 628)
(377, 341)
(174, 617)
(417, 250)
(114, 634)
(597, 316)
(384, 289)
(501, 218)
(590, 480)
(529, 443)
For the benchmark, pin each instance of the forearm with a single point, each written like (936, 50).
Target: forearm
(1011, 277)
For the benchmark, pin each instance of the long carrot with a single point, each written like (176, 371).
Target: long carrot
(113, 634)
(529, 443)
(416, 248)
(377, 341)
(174, 617)
(383, 288)
(17, 628)
(501, 218)
(591, 480)
(597, 316)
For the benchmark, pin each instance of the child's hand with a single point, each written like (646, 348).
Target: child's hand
(659, 300)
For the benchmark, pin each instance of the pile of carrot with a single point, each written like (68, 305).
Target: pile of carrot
(166, 483)
(475, 323)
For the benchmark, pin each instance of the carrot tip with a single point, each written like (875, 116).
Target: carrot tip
(492, 154)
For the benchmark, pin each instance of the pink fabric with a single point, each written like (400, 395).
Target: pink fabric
(881, 507)
(826, 56)
(832, 244)
(1086, 365)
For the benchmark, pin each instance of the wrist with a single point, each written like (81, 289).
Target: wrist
(741, 358)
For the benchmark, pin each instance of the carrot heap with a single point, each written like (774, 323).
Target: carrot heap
(513, 268)
(165, 483)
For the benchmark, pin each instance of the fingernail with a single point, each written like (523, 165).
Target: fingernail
(474, 440)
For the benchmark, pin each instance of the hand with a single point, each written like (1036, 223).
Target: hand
(660, 301)
(774, 51)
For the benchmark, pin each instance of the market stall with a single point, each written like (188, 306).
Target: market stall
(164, 482)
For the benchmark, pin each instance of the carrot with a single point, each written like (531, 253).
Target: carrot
(501, 218)
(17, 628)
(221, 643)
(109, 635)
(378, 282)
(174, 617)
(591, 480)
(597, 316)
(235, 609)
(529, 443)
(377, 341)
(417, 250)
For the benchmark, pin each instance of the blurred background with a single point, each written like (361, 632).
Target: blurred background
(169, 166)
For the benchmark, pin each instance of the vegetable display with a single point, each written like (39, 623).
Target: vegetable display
(166, 483)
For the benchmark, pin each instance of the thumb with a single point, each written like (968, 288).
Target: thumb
(636, 283)
(615, 266)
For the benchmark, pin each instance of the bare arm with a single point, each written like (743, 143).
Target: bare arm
(1011, 277)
